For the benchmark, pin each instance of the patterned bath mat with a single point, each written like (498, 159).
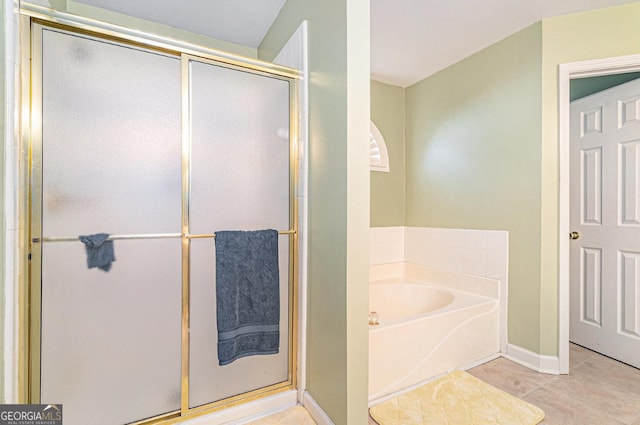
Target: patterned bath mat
(456, 399)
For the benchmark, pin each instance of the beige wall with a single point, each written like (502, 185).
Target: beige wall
(473, 134)
(584, 36)
(387, 189)
(337, 332)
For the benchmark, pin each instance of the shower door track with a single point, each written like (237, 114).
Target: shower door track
(33, 19)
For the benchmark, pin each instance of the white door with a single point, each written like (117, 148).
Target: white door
(605, 213)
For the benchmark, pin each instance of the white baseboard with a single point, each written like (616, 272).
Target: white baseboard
(316, 412)
(538, 362)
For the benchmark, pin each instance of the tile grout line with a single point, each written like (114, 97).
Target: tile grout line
(531, 390)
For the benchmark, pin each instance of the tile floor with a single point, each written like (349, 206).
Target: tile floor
(598, 390)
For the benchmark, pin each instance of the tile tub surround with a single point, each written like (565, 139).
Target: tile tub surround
(482, 253)
(386, 245)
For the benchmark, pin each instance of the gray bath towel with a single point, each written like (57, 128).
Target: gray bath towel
(247, 294)
(99, 251)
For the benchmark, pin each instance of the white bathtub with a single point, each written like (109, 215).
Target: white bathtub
(401, 299)
(430, 321)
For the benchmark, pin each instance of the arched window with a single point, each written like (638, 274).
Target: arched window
(378, 155)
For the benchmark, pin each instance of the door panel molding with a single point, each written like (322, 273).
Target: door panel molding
(591, 286)
(629, 293)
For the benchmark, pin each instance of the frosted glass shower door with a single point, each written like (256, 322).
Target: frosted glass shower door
(110, 162)
(240, 180)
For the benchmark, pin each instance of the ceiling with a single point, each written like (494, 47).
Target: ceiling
(410, 39)
(243, 22)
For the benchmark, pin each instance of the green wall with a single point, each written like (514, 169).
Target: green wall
(473, 134)
(337, 330)
(482, 151)
(387, 189)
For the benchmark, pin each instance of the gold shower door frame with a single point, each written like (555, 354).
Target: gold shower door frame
(32, 25)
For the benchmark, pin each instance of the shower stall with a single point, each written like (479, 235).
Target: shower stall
(159, 146)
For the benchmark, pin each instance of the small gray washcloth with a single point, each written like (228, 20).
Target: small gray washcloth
(247, 294)
(99, 251)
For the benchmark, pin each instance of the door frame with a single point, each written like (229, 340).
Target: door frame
(566, 73)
